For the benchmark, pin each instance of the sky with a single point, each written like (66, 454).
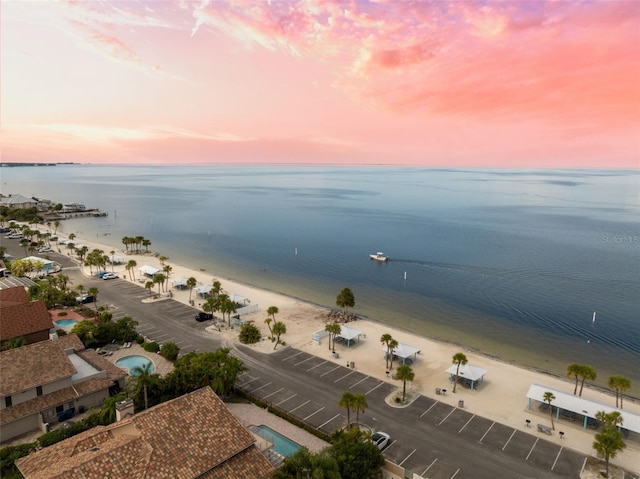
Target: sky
(400, 82)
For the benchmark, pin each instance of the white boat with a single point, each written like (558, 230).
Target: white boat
(379, 256)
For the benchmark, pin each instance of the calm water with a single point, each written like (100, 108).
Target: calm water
(509, 262)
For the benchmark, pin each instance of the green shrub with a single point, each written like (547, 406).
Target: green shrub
(140, 339)
(151, 347)
(8, 455)
(62, 313)
(170, 351)
(249, 334)
(61, 332)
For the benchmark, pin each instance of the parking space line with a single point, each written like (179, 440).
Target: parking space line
(492, 424)
(303, 404)
(447, 416)
(410, 454)
(291, 357)
(429, 467)
(455, 473)
(346, 375)
(465, 424)
(284, 400)
(313, 413)
(324, 424)
(363, 379)
(324, 374)
(505, 444)
(317, 365)
(428, 409)
(374, 388)
(248, 382)
(275, 392)
(304, 360)
(584, 463)
(532, 447)
(263, 386)
(557, 457)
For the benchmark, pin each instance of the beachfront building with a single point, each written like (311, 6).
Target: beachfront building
(193, 436)
(18, 202)
(149, 271)
(21, 318)
(49, 381)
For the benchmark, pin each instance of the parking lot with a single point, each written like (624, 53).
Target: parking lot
(444, 441)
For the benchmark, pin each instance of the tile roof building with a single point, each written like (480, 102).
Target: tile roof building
(48, 381)
(193, 436)
(20, 317)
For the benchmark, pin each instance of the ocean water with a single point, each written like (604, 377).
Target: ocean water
(512, 263)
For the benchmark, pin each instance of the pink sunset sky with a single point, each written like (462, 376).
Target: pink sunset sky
(440, 83)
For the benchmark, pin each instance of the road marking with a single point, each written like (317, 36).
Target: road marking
(446, 417)
(324, 424)
(455, 473)
(258, 388)
(291, 357)
(345, 376)
(363, 379)
(584, 463)
(492, 424)
(324, 374)
(428, 409)
(313, 413)
(248, 382)
(275, 392)
(374, 388)
(465, 424)
(317, 365)
(410, 454)
(557, 457)
(304, 360)
(303, 404)
(505, 444)
(531, 450)
(425, 471)
(284, 400)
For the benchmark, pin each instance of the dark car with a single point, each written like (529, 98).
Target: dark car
(85, 299)
(203, 316)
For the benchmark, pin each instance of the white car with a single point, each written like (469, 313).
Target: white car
(44, 249)
(381, 439)
(110, 276)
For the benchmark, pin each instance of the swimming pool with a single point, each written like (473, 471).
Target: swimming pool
(283, 445)
(65, 323)
(131, 362)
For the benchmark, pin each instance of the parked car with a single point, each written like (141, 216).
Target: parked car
(110, 276)
(85, 299)
(44, 249)
(203, 316)
(381, 439)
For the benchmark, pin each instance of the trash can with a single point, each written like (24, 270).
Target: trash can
(438, 391)
(461, 403)
(353, 365)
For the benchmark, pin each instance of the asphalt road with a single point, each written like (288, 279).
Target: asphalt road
(429, 438)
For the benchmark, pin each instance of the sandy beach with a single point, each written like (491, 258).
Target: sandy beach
(501, 396)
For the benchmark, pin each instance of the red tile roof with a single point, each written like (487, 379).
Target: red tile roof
(193, 436)
(21, 317)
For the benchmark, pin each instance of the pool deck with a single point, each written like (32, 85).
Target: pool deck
(160, 364)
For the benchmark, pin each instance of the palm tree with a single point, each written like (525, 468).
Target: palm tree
(93, 291)
(346, 401)
(111, 258)
(80, 289)
(346, 300)
(359, 405)
(149, 285)
(272, 311)
(548, 397)
(216, 289)
(587, 373)
(56, 224)
(268, 323)
(167, 269)
(146, 243)
(228, 307)
(387, 340)
(458, 359)
(404, 374)
(620, 384)
(144, 379)
(608, 443)
(333, 329)
(573, 371)
(191, 283)
(612, 419)
(159, 280)
(279, 329)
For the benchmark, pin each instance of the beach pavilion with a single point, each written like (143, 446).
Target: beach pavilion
(203, 290)
(179, 283)
(407, 353)
(116, 259)
(350, 334)
(149, 271)
(468, 375)
(568, 406)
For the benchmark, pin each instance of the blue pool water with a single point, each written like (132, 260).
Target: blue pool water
(283, 445)
(65, 323)
(131, 362)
